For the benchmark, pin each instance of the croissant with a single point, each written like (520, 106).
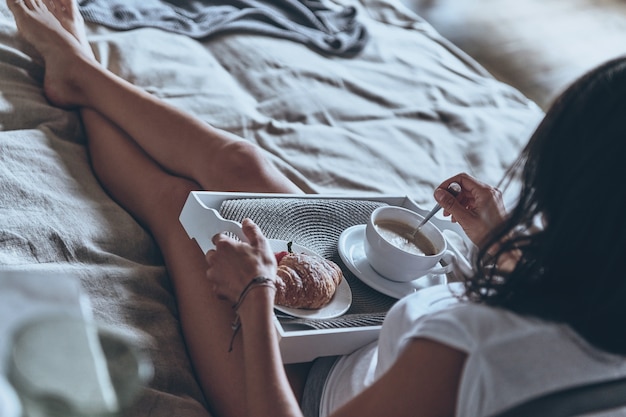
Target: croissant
(306, 281)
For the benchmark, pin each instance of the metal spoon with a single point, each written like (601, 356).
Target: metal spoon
(454, 189)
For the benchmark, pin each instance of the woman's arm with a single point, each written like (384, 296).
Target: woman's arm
(423, 382)
(268, 390)
(243, 274)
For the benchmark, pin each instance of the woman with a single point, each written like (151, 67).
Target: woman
(553, 292)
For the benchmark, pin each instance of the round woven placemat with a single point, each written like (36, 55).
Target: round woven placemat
(317, 225)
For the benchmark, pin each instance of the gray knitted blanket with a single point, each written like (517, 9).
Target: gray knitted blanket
(335, 32)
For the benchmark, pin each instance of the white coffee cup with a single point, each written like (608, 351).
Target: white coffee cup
(399, 265)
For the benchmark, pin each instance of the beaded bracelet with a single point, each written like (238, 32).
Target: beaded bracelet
(256, 282)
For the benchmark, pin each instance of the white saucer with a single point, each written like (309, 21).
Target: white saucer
(352, 253)
(338, 305)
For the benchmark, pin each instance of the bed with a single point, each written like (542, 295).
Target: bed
(397, 118)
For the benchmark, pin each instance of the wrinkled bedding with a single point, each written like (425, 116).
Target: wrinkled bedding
(397, 119)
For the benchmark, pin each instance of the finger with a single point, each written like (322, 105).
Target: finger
(451, 205)
(209, 258)
(220, 237)
(253, 233)
(15, 4)
(35, 4)
(454, 186)
(445, 199)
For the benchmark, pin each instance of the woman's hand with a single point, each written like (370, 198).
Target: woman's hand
(478, 208)
(233, 264)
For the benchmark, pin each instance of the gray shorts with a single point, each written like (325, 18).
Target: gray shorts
(314, 385)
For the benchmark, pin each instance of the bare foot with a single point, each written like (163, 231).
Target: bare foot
(67, 13)
(55, 28)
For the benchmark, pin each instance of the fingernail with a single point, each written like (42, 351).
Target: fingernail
(440, 194)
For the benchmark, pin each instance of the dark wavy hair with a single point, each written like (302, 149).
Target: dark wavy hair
(573, 179)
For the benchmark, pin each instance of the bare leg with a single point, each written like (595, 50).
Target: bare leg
(135, 178)
(180, 143)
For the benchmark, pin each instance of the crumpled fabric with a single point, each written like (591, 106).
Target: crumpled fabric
(333, 32)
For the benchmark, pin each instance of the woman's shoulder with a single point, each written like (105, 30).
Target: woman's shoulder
(445, 303)
(441, 314)
(483, 322)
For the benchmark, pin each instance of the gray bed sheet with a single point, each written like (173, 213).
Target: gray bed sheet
(406, 113)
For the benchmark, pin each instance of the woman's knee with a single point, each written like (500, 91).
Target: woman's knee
(240, 164)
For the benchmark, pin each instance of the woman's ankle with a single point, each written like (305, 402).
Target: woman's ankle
(65, 86)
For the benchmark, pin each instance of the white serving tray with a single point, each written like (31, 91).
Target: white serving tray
(296, 344)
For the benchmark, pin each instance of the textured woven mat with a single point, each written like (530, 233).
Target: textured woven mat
(317, 225)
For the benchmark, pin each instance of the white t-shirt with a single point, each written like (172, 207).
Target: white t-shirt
(510, 358)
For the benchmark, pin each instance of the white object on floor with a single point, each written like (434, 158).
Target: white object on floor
(9, 402)
(27, 296)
